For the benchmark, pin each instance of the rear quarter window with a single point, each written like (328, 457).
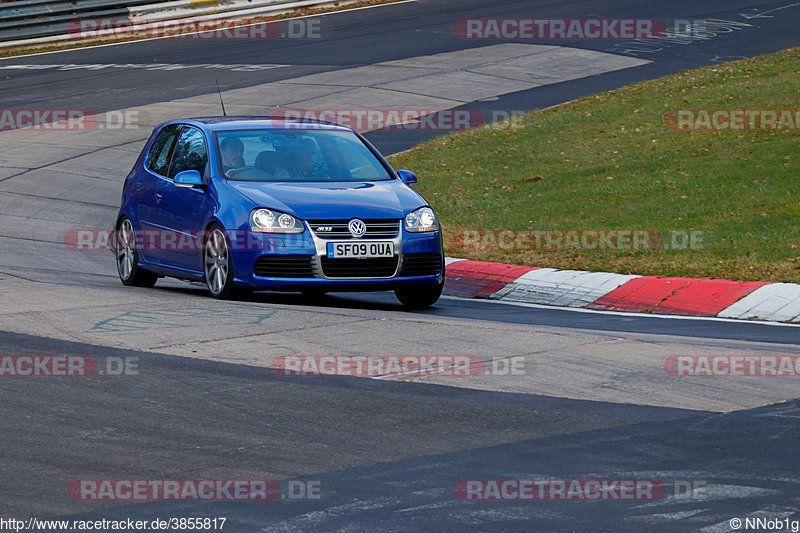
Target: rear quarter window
(159, 157)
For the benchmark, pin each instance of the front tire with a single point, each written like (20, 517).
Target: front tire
(419, 297)
(130, 273)
(218, 265)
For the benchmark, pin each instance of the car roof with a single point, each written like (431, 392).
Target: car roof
(261, 122)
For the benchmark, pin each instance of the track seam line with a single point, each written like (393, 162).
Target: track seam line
(287, 330)
(72, 157)
(61, 199)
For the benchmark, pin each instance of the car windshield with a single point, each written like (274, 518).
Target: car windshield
(297, 155)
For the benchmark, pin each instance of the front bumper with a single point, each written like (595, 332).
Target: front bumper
(295, 262)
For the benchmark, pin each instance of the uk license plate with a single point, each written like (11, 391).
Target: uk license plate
(360, 249)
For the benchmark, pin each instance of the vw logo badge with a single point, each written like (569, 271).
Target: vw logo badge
(357, 228)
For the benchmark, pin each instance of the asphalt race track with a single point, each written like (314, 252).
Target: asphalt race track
(198, 399)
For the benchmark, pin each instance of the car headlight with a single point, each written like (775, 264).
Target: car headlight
(268, 221)
(421, 220)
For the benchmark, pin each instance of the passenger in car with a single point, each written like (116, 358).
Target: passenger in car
(303, 154)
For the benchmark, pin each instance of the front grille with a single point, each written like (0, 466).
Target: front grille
(337, 229)
(421, 265)
(284, 266)
(381, 267)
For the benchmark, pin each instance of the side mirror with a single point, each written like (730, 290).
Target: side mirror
(408, 177)
(188, 178)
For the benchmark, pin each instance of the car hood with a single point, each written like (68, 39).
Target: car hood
(339, 200)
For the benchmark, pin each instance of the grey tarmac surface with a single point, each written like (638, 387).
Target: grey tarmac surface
(385, 456)
(594, 401)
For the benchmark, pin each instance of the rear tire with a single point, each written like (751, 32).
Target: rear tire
(419, 297)
(127, 257)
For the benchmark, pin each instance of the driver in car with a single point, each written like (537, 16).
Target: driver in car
(232, 151)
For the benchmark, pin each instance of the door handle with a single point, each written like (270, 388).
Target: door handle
(159, 196)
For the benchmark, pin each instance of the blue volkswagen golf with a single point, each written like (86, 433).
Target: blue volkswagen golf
(257, 203)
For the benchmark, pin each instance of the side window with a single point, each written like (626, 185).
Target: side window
(191, 152)
(158, 160)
